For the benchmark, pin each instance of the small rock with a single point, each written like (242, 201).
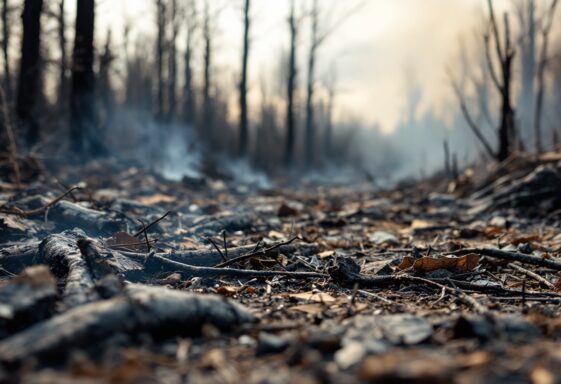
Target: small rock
(350, 355)
(269, 344)
(381, 237)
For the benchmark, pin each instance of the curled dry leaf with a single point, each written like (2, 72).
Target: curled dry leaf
(126, 241)
(429, 264)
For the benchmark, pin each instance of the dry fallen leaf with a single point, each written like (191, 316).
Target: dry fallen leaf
(311, 296)
(124, 240)
(429, 264)
(156, 199)
(325, 254)
(228, 291)
(13, 223)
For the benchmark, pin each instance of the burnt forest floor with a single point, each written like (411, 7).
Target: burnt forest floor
(131, 278)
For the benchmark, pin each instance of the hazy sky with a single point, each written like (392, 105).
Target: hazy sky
(374, 52)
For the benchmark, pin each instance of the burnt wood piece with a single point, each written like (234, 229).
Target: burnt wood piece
(211, 257)
(158, 311)
(82, 262)
(18, 257)
(27, 299)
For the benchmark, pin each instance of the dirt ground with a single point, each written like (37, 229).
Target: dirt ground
(434, 281)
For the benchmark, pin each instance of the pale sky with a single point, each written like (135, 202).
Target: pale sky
(373, 51)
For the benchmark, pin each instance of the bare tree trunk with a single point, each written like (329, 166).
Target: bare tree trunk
(506, 132)
(244, 129)
(328, 140)
(527, 21)
(83, 109)
(161, 21)
(172, 81)
(188, 93)
(63, 81)
(447, 166)
(30, 66)
(541, 76)
(291, 86)
(207, 107)
(310, 123)
(105, 91)
(5, 49)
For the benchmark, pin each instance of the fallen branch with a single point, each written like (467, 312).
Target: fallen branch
(37, 211)
(82, 263)
(153, 310)
(211, 257)
(533, 275)
(156, 263)
(15, 259)
(510, 256)
(347, 273)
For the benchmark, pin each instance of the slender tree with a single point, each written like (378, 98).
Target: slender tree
(83, 111)
(188, 91)
(160, 48)
(526, 11)
(310, 123)
(505, 53)
(502, 80)
(293, 24)
(172, 61)
(244, 123)
(29, 76)
(318, 38)
(542, 66)
(207, 81)
(63, 80)
(331, 95)
(5, 49)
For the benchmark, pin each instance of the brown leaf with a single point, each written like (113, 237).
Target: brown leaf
(14, 223)
(124, 240)
(286, 211)
(312, 296)
(524, 239)
(406, 263)
(156, 199)
(228, 291)
(429, 264)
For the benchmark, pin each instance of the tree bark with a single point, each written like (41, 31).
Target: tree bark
(161, 20)
(244, 129)
(83, 109)
(207, 107)
(310, 123)
(63, 81)
(188, 93)
(5, 49)
(172, 81)
(30, 70)
(291, 86)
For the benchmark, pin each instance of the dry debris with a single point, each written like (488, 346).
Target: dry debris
(134, 278)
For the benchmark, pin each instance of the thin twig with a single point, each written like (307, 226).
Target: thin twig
(225, 245)
(257, 253)
(37, 211)
(145, 235)
(217, 249)
(533, 275)
(147, 227)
